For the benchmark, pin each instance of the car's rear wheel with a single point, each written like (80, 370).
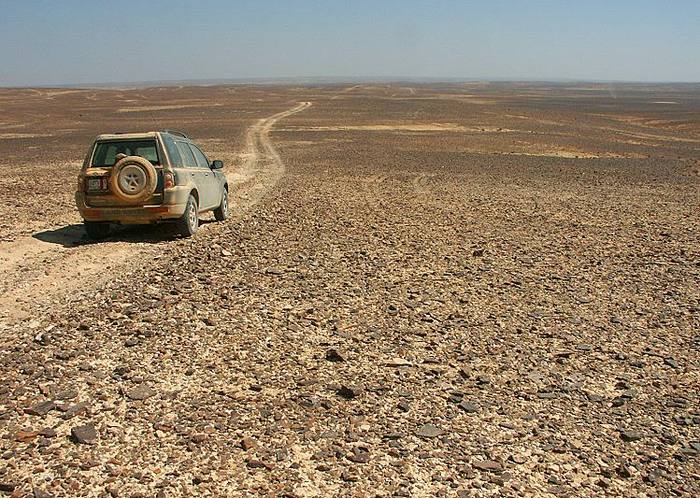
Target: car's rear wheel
(221, 213)
(188, 224)
(97, 230)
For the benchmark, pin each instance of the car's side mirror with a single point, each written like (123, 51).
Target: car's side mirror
(217, 164)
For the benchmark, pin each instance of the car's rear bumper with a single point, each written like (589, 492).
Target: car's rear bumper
(173, 206)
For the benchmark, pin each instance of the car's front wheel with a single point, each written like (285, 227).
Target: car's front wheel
(221, 213)
(188, 223)
(96, 230)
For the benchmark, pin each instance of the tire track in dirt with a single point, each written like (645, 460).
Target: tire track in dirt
(262, 166)
(40, 270)
(420, 182)
(345, 91)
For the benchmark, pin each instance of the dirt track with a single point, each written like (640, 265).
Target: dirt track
(262, 166)
(41, 269)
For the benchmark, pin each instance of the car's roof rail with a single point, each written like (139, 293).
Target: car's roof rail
(174, 132)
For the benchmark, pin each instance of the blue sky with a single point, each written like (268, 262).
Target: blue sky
(64, 42)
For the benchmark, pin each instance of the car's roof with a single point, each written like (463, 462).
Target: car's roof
(139, 135)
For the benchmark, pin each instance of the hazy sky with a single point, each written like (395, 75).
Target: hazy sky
(67, 41)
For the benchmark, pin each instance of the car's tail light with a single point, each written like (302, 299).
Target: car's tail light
(169, 179)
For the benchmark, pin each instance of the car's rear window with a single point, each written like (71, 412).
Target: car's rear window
(106, 152)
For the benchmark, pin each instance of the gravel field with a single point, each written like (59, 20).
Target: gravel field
(443, 290)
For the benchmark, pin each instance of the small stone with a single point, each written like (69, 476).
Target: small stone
(41, 409)
(483, 380)
(618, 401)
(404, 406)
(89, 463)
(84, 434)
(43, 339)
(63, 355)
(688, 451)
(653, 476)
(488, 466)
(624, 471)
(40, 493)
(67, 394)
(563, 354)
(198, 438)
(429, 430)
(26, 436)
(349, 476)
(671, 362)
(122, 370)
(140, 392)
(595, 398)
(73, 410)
(603, 482)
(258, 464)
(630, 435)
(455, 397)
(519, 459)
(247, 443)
(131, 341)
(469, 407)
(398, 362)
(47, 432)
(7, 487)
(359, 455)
(334, 356)
(466, 471)
(676, 403)
(350, 392)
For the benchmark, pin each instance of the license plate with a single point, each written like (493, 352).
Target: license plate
(99, 184)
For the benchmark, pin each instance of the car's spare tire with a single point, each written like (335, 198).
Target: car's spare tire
(133, 179)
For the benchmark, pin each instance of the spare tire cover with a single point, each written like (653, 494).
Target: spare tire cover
(133, 179)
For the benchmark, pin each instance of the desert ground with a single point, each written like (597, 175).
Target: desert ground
(459, 289)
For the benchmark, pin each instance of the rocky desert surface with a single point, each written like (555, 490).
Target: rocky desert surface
(479, 289)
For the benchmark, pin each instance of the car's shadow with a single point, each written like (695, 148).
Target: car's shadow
(74, 235)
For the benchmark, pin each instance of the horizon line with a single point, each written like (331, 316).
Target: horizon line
(315, 80)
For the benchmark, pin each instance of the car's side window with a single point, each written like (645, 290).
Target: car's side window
(173, 152)
(188, 159)
(202, 161)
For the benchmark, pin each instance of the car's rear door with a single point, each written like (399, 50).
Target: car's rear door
(190, 168)
(211, 192)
